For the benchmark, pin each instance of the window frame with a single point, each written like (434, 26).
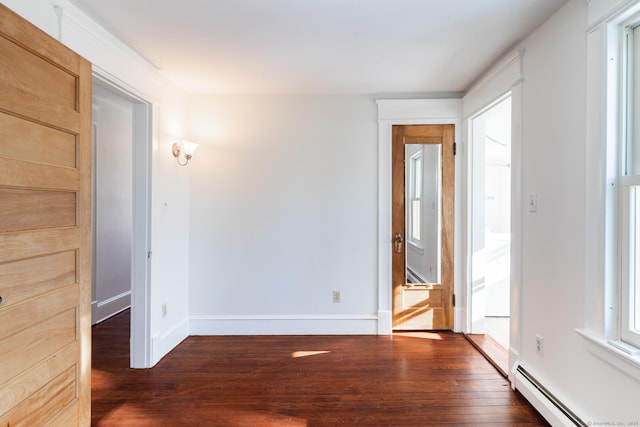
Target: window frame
(605, 127)
(415, 192)
(626, 232)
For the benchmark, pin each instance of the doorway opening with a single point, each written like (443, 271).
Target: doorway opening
(122, 189)
(112, 212)
(491, 232)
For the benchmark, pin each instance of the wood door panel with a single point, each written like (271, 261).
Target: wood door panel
(23, 33)
(22, 209)
(416, 298)
(37, 310)
(42, 405)
(29, 278)
(29, 73)
(422, 139)
(45, 231)
(419, 319)
(37, 343)
(17, 390)
(424, 131)
(34, 107)
(68, 416)
(25, 244)
(22, 139)
(18, 173)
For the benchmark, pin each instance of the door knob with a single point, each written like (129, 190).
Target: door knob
(398, 240)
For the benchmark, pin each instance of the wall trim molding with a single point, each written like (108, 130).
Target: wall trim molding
(105, 51)
(102, 310)
(506, 74)
(555, 411)
(162, 344)
(76, 19)
(626, 363)
(284, 325)
(600, 11)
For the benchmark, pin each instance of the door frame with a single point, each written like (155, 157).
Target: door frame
(413, 112)
(506, 76)
(140, 344)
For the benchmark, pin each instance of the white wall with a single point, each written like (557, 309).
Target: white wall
(553, 239)
(113, 209)
(283, 212)
(120, 65)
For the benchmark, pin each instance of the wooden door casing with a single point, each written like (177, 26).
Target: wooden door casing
(45, 228)
(429, 306)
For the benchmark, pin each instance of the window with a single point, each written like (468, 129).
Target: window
(415, 199)
(629, 195)
(612, 255)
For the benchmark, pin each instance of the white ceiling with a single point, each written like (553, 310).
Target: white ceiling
(322, 46)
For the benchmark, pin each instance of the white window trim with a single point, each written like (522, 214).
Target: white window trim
(627, 272)
(611, 352)
(604, 130)
(413, 180)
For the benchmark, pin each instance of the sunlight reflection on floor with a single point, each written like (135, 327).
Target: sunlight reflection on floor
(297, 354)
(418, 334)
(105, 379)
(219, 416)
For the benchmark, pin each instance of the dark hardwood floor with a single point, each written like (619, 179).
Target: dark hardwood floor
(409, 379)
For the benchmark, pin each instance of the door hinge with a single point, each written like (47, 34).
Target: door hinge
(149, 254)
(454, 300)
(455, 149)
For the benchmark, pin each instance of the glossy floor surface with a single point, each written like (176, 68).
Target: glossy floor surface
(408, 379)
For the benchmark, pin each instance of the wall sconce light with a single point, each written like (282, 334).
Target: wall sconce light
(185, 148)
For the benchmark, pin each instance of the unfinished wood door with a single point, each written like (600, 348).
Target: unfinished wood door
(45, 233)
(423, 305)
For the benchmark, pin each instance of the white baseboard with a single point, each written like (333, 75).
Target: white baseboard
(385, 322)
(162, 344)
(102, 310)
(283, 325)
(554, 411)
(459, 314)
(514, 360)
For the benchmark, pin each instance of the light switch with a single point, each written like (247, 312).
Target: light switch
(533, 202)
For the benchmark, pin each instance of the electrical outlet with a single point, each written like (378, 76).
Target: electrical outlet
(164, 310)
(540, 345)
(337, 297)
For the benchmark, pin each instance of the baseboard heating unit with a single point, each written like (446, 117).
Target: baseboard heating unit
(551, 408)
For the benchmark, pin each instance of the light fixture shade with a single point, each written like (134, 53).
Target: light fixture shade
(189, 148)
(184, 149)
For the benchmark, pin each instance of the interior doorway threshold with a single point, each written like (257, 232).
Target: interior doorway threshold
(497, 355)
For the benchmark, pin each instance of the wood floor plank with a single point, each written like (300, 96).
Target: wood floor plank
(399, 380)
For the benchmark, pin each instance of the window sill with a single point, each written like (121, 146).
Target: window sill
(416, 245)
(614, 356)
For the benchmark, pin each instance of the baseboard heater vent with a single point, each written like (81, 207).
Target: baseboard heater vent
(554, 411)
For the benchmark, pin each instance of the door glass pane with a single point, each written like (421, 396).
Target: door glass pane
(424, 212)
